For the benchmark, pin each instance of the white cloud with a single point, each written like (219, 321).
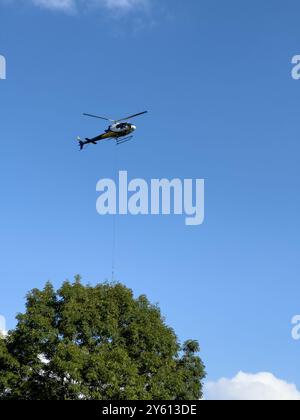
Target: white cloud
(122, 4)
(244, 386)
(72, 5)
(55, 4)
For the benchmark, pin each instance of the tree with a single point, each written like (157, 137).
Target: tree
(98, 343)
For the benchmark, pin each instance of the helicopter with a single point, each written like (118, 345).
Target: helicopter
(120, 130)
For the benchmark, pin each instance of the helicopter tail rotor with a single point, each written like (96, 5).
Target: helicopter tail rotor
(82, 143)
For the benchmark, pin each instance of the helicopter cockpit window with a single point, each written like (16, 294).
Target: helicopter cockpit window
(122, 126)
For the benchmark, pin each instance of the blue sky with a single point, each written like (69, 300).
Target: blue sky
(216, 78)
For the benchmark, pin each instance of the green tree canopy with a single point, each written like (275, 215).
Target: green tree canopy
(99, 343)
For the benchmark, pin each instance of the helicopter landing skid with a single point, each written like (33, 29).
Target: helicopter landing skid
(124, 140)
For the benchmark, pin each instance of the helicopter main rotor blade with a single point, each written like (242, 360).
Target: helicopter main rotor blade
(97, 116)
(132, 116)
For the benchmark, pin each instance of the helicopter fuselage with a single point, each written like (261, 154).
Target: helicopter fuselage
(121, 129)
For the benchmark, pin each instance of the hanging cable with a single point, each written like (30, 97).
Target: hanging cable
(114, 242)
(113, 265)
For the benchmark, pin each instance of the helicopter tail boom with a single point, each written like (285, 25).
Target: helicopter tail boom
(84, 143)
